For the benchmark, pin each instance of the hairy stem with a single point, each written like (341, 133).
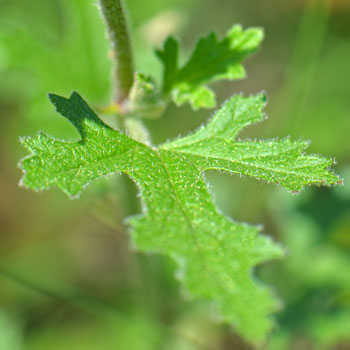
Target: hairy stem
(114, 13)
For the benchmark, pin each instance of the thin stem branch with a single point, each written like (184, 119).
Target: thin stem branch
(114, 14)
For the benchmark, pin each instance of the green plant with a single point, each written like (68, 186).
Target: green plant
(215, 255)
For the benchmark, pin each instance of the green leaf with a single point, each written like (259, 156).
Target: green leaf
(215, 255)
(277, 161)
(73, 165)
(169, 57)
(201, 97)
(211, 60)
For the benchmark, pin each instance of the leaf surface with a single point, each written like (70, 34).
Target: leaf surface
(215, 255)
(210, 61)
(214, 146)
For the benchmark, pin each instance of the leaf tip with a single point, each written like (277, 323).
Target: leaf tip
(263, 97)
(260, 33)
(55, 99)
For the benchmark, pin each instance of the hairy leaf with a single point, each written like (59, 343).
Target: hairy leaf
(211, 60)
(215, 254)
(213, 146)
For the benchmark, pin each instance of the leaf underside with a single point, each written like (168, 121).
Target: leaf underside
(215, 255)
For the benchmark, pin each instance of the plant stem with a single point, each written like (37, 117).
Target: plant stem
(114, 14)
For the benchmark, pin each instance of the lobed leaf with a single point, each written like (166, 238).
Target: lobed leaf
(210, 61)
(215, 255)
(277, 161)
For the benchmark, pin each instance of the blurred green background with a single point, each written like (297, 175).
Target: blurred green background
(69, 279)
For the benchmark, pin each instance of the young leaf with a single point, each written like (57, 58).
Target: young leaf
(211, 60)
(215, 254)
